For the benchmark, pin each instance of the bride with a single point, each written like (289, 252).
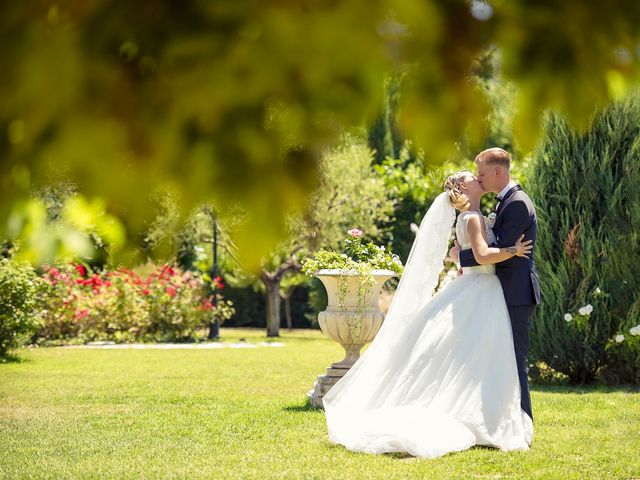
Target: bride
(441, 374)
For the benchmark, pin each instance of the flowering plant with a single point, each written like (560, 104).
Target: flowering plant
(121, 305)
(357, 257)
(584, 312)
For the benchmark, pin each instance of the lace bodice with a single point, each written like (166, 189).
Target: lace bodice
(462, 236)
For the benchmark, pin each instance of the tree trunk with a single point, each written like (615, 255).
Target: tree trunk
(271, 281)
(273, 306)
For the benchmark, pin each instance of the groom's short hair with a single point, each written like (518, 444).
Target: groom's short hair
(495, 156)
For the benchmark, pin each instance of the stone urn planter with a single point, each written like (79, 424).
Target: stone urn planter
(352, 319)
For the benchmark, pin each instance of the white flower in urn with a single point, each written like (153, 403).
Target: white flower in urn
(586, 310)
(635, 331)
(491, 219)
(619, 338)
(568, 317)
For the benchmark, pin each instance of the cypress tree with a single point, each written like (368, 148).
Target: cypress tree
(586, 186)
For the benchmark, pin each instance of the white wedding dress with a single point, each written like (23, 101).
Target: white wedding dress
(441, 378)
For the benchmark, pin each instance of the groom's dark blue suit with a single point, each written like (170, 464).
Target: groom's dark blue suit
(516, 215)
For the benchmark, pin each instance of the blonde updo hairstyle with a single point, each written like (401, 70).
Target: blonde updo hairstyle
(457, 198)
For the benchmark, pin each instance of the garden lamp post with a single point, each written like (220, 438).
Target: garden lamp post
(214, 326)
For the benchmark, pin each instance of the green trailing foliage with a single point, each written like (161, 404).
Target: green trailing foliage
(585, 186)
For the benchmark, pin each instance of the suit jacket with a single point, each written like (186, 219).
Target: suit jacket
(515, 215)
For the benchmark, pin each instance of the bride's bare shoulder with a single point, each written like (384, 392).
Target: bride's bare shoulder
(466, 214)
(469, 214)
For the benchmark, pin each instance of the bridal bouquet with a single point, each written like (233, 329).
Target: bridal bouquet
(357, 257)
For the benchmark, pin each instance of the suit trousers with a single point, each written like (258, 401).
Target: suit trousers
(521, 324)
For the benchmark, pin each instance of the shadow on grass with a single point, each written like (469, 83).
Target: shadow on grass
(392, 455)
(12, 358)
(407, 457)
(583, 389)
(282, 338)
(543, 378)
(286, 337)
(285, 334)
(302, 407)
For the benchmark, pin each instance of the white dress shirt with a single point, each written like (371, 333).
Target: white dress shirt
(504, 191)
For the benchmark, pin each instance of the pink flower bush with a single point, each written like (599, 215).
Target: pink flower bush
(121, 305)
(171, 291)
(217, 283)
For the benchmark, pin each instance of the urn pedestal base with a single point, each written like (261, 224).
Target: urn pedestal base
(349, 320)
(324, 383)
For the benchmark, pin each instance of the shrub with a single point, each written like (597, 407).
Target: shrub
(18, 316)
(177, 308)
(585, 189)
(122, 306)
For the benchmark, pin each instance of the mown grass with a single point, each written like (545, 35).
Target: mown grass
(241, 413)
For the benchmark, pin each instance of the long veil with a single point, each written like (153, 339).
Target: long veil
(424, 264)
(420, 277)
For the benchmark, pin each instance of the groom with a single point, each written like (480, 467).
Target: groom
(516, 215)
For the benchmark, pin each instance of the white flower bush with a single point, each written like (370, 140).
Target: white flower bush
(586, 310)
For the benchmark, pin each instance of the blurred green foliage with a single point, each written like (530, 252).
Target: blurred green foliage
(234, 100)
(80, 229)
(412, 180)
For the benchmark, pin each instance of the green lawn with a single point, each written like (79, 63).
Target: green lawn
(240, 413)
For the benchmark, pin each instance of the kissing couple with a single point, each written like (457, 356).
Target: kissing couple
(447, 371)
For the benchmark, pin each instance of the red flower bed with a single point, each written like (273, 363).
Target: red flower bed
(167, 305)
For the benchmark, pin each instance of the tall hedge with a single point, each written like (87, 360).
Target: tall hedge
(586, 186)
